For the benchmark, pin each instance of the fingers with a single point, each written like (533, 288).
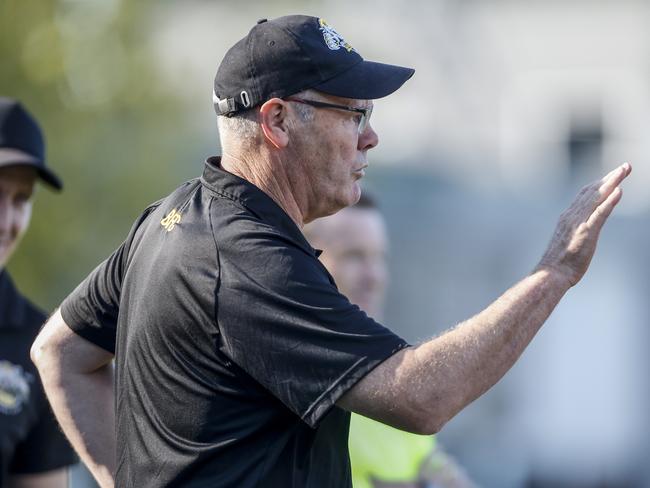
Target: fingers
(615, 171)
(609, 194)
(599, 216)
(592, 195)
(596, 201)
(611, 181)
(577, 232)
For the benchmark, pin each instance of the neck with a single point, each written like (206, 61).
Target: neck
(268, 174)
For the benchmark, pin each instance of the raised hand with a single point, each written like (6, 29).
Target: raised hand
(576, 234)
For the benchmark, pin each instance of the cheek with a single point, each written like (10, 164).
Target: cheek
(382, 275)
(348, 153)
(346, 141)
(340, 273)
(350, 275)
(23, 214)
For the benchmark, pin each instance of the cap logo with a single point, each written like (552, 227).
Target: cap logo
(332, 38)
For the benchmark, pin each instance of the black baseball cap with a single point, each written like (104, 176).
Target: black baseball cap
(289, 54)
(21, 141)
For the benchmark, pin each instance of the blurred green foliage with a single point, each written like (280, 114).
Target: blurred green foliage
(115, 134)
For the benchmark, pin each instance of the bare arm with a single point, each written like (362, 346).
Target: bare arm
(420, 388)
(78, 380)
(57, 478)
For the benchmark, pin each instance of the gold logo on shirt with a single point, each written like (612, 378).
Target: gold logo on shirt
(170, 221)
(14, 387)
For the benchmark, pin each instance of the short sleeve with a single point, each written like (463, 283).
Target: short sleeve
(284, 322)
(45, 447)
(91, 310)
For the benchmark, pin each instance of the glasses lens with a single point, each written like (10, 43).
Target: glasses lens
(365, 117)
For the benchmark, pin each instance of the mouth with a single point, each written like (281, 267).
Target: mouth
(360, 172)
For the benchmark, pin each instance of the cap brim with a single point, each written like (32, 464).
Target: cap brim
(366, 80)
(15, 157)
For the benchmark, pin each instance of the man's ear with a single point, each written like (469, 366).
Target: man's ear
(273, 119)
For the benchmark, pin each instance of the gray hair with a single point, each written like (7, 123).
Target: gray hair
(243, 130)
(240, 130)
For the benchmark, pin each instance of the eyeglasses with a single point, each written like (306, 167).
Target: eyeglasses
(364, 112)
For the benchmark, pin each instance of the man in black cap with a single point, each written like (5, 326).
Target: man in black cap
(237, 360)
(33, 451)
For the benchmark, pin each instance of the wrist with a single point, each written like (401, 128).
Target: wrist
(554, 276)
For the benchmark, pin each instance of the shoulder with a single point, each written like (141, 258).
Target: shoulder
(244, 238)
(164, 213)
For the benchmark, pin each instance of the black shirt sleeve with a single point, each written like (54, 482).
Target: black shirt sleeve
(284, 322)
(91, 309)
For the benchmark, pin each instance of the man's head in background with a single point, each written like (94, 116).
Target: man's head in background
(355, 247)
(22, 161)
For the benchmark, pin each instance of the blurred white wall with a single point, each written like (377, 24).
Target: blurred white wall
(497, 84)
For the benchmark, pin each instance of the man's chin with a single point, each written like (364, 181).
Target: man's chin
(355, 194)
(370, 307)
(5, 252)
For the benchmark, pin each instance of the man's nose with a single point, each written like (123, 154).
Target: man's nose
(368, 138)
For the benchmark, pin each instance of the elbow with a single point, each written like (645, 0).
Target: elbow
(432, 427)
(39, 351)
(44, 355)
(422, 421)
(428, 426)
(420, 426)
(428, 415)
(43, 352)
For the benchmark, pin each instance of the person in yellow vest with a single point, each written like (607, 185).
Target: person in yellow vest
(355, 245)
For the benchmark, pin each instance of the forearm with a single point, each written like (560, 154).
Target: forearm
(469, 359)
(419, 389)
(78, 380)
(84, 406)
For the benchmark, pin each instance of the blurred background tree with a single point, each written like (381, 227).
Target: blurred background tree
(82, 67)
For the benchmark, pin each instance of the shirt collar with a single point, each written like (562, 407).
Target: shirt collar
(255, 200)
(12, 304)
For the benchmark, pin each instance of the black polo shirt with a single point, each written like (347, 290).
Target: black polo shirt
(30, 439)
(232, 344)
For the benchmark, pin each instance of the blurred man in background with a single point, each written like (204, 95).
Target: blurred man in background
(354, 245)
(33, 451)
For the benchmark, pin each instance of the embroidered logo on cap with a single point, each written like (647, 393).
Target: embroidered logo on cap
(14, 387)
(332, 38)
